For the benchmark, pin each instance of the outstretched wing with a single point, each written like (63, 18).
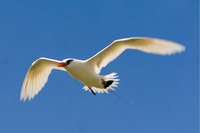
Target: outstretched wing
(37, 77)
(149, 45)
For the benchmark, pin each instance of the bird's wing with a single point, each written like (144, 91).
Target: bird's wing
(37, 77)
(149, 45)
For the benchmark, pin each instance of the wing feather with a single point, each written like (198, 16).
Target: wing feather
(149, 45)
(37, 77)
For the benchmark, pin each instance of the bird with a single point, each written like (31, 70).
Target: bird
(88, 71)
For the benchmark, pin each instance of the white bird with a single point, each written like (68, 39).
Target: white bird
(87, 71)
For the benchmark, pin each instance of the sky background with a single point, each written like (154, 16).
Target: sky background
(164, 89)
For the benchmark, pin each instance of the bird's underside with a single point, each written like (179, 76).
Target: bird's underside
(109, 82)
(105, 83)
(87, 71)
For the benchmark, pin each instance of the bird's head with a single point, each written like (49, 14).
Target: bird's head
(65, 63)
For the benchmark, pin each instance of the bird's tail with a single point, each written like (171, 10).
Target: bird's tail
(111, 81)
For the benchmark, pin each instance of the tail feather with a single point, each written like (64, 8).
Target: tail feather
(110, 82)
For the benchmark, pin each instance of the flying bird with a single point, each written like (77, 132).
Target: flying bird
(87, 71)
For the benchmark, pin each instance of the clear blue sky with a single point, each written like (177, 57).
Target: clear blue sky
(164, 89)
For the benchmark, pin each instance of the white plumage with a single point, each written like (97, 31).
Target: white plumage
(87, 71)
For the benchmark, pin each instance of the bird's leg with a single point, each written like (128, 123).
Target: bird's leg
(92, 90)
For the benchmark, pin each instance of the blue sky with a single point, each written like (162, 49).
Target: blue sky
(164, 89)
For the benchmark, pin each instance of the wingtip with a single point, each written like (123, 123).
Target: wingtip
(22, 99)
(180, 50)
(183, 48)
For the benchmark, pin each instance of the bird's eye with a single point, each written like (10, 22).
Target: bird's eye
(68, 61)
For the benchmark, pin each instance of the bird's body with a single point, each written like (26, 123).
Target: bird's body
(87, 71)
(82, 71)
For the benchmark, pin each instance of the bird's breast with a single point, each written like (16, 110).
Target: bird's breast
(86, 75)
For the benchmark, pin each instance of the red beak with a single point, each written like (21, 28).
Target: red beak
(61, 64)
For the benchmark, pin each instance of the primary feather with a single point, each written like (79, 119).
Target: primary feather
(149, 45)
(37, 77)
